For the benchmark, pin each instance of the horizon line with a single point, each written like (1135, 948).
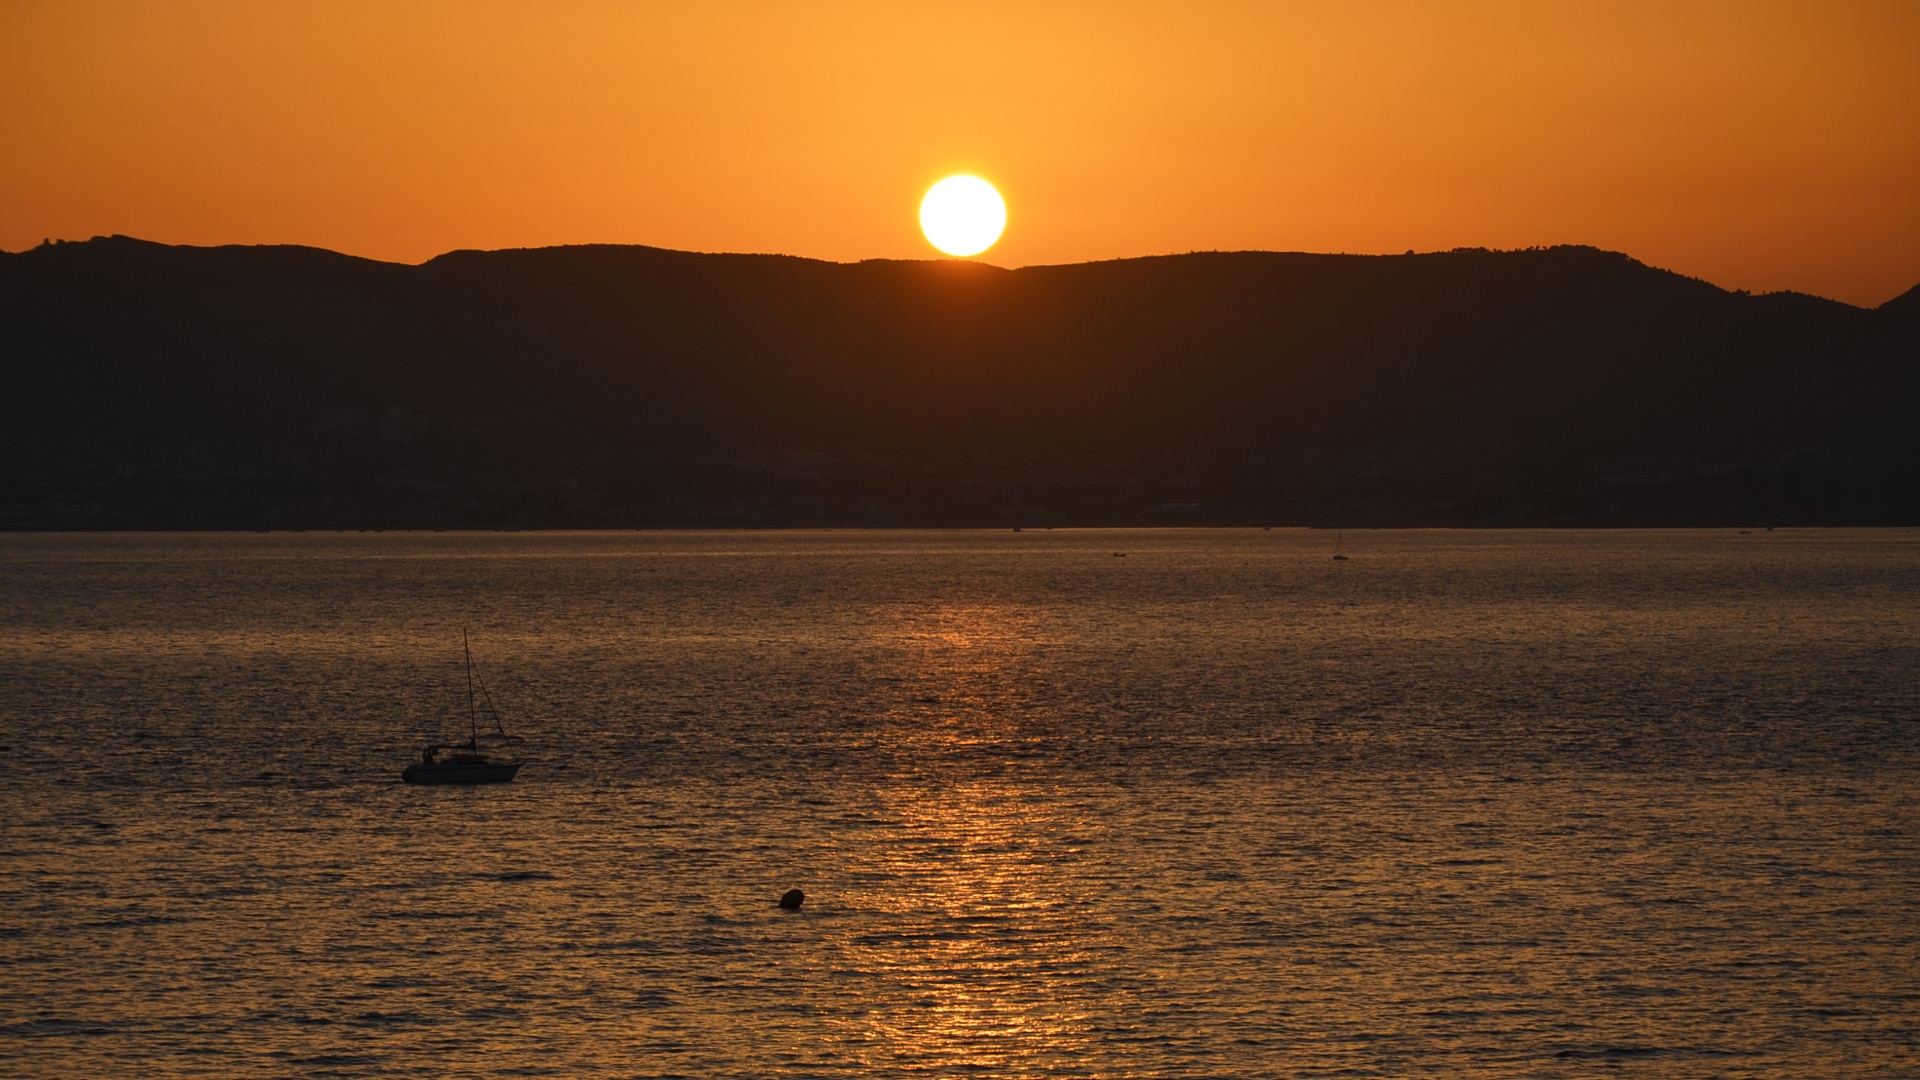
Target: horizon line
(50, 242)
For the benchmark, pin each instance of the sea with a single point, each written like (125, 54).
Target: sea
(1162, 803)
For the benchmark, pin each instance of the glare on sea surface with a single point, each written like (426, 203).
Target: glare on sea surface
(962, 215)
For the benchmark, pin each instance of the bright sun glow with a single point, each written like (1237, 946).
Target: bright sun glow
(962, 215)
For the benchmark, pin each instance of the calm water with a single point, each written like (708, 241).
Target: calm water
(1065, 803)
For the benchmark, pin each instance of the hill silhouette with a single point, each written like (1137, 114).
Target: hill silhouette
(150, 386)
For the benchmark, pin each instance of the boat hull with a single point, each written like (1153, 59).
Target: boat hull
(448, 772)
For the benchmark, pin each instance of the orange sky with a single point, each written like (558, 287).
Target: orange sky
(1759, 145)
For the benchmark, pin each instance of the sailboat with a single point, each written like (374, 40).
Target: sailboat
(470, 762)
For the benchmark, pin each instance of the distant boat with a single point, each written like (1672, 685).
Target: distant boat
(473, 761)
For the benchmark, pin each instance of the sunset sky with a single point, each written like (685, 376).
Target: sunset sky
(1758, 145)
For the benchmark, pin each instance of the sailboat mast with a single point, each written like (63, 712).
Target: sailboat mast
(473, 717)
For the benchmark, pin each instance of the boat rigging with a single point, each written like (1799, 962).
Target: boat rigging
(475, 761)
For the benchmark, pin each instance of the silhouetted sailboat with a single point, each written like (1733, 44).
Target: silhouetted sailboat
(470, 762)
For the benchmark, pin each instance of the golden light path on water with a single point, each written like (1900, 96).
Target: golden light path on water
(976, 977)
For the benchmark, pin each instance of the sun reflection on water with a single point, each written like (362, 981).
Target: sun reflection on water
(975, 671)
(980, 931)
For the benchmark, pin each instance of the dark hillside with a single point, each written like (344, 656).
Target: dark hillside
(151, 386)
(1905, 306)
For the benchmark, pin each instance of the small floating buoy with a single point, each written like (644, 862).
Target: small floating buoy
(792, 900)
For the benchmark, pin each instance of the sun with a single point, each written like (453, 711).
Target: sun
(962, 215)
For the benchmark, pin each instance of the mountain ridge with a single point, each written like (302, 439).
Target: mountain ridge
(622, 384)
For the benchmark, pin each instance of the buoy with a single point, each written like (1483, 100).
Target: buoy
(793, 899)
